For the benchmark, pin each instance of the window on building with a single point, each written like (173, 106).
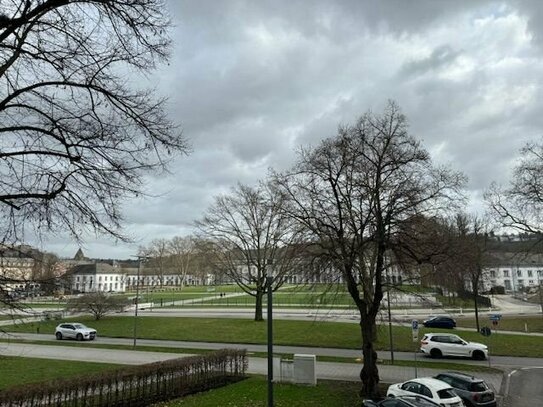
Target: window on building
(531, 282)
(520, 283)
(530, 273)
(492, 274)
(507, 284)
(506, 273)
(519, 273)
(100, 278)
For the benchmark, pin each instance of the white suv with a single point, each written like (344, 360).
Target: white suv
(438, 344)
(75, 331)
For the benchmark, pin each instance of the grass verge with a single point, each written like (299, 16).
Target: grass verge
(21, 370)
(286, 332)
(420, 363)
(253, 392)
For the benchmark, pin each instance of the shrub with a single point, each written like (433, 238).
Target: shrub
(134, 385)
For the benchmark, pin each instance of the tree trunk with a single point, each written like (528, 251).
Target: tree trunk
(258, 305)
(369, 373)
(476, 302)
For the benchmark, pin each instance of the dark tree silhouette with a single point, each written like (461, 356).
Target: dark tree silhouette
(354, 194)
(77, 133)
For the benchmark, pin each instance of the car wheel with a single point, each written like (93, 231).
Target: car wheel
(79, 337)
(478, 355)
(58, 335)
(436, 353)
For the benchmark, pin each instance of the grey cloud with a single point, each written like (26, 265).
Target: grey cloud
(250, 81)
(440, 57)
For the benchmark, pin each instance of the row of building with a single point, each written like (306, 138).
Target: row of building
(20, 268)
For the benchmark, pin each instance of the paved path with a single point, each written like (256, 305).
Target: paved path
(325, 370)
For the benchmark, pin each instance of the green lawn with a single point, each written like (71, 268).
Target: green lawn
(517, 323)
(20, 370)
(253, 393)
(303, 333)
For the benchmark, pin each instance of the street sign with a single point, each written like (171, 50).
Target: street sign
(415, 330)
(485, 331)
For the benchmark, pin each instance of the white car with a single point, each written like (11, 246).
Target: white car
(75, 330)
(438, 345)
(427, 387)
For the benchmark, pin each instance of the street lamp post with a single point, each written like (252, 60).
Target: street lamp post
(269, 283)
(136, 302)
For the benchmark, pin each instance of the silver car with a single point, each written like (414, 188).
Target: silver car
(75, 330)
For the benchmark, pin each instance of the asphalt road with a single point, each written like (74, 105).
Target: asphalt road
(257, 365)
(508, 362)
(523, 388)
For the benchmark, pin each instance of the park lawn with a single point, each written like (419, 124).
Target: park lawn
(281, 299)
(21, 370)
(515, 323)
(252, 392)
(286, 332)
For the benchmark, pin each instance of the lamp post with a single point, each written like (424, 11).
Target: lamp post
(390, 323)
(137, 297)
(269, 283)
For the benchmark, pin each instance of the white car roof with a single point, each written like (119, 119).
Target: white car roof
(435, 384)
(440, 334)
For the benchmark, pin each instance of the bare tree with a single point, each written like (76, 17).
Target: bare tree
(182, 252)
(251, 238)
(77, 133)
(520, 206)
(99, 304)
(157, 255)
(355, 193)
(470, 254)
(45, 271)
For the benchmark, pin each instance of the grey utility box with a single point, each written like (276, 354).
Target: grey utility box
(305, 369)
(283, 370)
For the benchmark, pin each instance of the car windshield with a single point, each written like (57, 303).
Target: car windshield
(446, 394)
(79, 326)
(478, 386)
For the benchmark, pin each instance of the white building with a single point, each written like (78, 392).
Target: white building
(515, 272)
(97, 277)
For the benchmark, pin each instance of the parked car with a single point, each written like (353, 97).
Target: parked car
(475, 392)
(402, 401)
(440, 322)
(75, 330)
(438, 345)
(429, 388)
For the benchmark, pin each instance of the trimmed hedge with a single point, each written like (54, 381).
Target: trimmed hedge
(135, 385)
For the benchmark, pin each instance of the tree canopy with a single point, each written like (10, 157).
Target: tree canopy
(356, 195)
(78, 131)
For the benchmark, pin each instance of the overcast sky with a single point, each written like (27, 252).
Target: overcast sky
(250, 81)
